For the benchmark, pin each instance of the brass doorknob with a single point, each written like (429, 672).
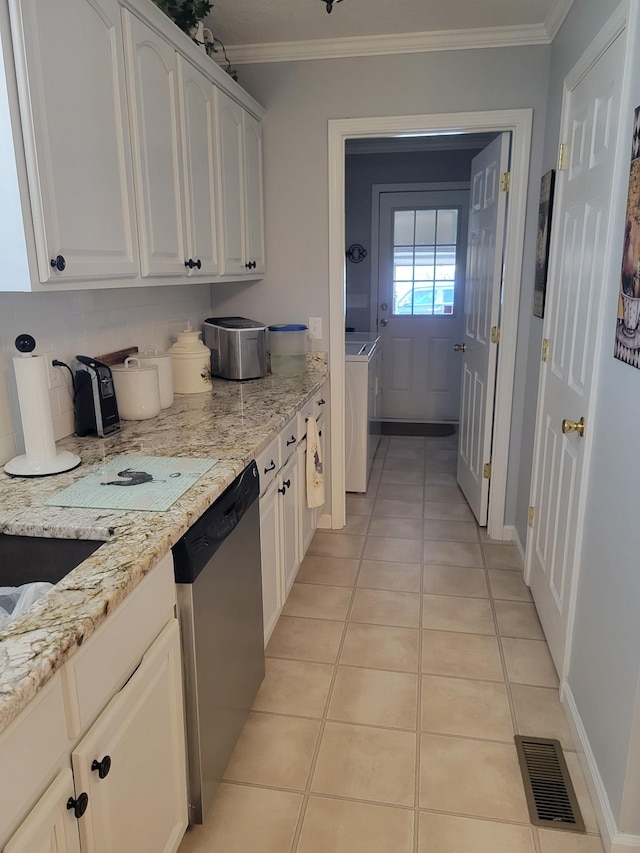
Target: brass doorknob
(459, 347)
(572, 426)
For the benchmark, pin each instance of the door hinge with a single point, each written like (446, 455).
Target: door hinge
(486, 471)
(495, 334)
(545, 349)
(563, 157)
(505, 182)
(531, 519)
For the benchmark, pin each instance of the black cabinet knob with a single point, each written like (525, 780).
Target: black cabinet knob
(79, 805)
(103, 767)
(199, 263)
(282, 490)
(321, 402)
(292, 440)
(58, 263)
(287, 483)
(251, 265)
(191, 263)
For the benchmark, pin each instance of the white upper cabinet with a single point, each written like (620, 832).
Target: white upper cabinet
(152, 70)
(200, 170)
(70, 76)
(241, 189)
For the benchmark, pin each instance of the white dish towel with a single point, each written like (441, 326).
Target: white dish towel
(315, 473)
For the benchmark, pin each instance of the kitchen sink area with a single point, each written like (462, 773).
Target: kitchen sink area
(29, 559)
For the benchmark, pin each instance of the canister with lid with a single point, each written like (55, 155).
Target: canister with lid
(191, 364)
(162, 360)
(137, 390)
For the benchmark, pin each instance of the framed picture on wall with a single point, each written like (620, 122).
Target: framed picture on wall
(542, 243)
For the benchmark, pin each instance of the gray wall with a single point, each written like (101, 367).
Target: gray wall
(300, 97)
(362, 171)
(605, 662)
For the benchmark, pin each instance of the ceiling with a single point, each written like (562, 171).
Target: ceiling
(263, 30)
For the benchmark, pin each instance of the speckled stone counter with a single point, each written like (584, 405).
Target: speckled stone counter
(232, 424)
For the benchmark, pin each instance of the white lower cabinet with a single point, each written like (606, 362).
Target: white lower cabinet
(128, 789)
(270, 552)
(51, 826)
(289, 494)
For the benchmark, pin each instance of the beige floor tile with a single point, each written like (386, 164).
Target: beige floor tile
(508, 585)
(454, 613)
(397, 492)
(411, 477)
(274, 751)
(453, 531)
(334, 571)
(366, 764)
(540, 714)
(471, 777)
(501, 556)
(415, 453)
(552, 841)
(359, 505)
(397, 509)
(444, 494)
(582, 792)
(317, 601)
(447, 512)
(441, 833)
(454, 580)
(274, 815)
(518, 619)
(325, 544)
(294, 687)
(338, 826)
(393, 549)
(400, 528)
(461, 655)
(452, 553)
(356, 525)
(402, 577)
(374, 697)
(440, 478)
(396, 463)
(306, 639)
(460, 706)
(529, 662)
(385, 607)
(381, 647)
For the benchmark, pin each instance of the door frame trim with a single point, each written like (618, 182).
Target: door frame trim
(519, 123)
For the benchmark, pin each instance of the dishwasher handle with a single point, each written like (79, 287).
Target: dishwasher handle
(198, 545)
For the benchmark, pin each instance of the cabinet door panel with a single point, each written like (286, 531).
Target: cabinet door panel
(200, 143)
(288, 480)
(72, 98)
(253, 192)
(157, 152)
(142, 803)
(50, 826)
(270, 554)
(231, 184)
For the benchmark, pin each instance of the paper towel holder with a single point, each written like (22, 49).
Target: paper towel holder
(40, 458)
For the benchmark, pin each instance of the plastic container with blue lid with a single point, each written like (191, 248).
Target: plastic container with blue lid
(288, 348)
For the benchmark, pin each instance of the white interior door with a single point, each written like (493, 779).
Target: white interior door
(422, 246)
(579, 248)
(485, 246)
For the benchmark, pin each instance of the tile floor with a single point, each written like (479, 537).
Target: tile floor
(408, 654)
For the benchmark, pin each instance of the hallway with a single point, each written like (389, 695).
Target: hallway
(407, 656)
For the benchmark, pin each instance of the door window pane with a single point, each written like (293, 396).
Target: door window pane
(424, 261)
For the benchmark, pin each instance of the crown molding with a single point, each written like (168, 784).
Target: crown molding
(394, 43)
(556, 16)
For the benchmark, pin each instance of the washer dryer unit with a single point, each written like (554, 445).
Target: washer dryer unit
(363, 356)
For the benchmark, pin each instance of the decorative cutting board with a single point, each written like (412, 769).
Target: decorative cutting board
(134, 482)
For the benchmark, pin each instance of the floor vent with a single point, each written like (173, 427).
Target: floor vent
(550, 796)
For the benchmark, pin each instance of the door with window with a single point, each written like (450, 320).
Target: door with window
(422, 249)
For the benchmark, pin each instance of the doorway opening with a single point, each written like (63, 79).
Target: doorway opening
(518, 124)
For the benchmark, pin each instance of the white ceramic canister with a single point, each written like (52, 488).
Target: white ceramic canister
(137, 389)
(191, 364)
(162, 360)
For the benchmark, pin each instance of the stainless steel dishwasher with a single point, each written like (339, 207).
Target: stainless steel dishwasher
(219, 592)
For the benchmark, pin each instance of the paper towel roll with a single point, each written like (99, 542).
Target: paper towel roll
(35, 408)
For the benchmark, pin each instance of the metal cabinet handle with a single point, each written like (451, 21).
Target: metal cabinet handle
(78, 805)
(287, 483)
(270, 468)
(292, 440)
(459, 347)
(321, 402)
(103, 767)
(283, 489)
(251, 265)
(191, 263)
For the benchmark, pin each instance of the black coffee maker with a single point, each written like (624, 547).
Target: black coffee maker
(96, 409)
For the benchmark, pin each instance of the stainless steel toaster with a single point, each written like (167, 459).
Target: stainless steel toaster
(238, 347)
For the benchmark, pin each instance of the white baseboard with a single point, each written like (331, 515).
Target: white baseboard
(612, 840)
(511, 533)
(325, 521)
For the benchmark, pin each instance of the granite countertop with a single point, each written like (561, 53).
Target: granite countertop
(232, 424)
